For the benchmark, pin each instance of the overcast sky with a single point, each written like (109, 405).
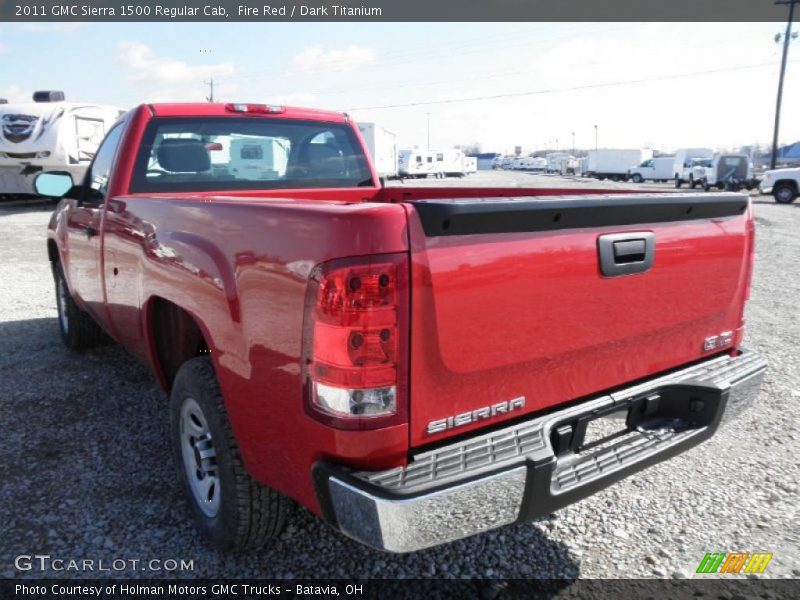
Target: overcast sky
(661, 85)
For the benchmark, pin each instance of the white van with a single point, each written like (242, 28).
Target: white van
(49, 134)
(654, 169)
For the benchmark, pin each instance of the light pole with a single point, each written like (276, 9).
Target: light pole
(786, 39)
(595, 137)
(573, 143)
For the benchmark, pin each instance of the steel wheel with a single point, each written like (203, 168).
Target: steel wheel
(200, 458)
(783, 194)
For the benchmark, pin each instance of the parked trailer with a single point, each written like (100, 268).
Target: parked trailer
(470, 165)
(682, 164)
(49, 134)
(382, 146)
(554, 161)
(613, 163)
(654, 169)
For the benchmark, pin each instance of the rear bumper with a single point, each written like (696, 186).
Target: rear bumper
(532, 468)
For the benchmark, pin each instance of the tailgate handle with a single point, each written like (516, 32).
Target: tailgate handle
(629, 251)
(626, 253)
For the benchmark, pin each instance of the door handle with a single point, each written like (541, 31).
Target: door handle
(626, 253)
(90, 231)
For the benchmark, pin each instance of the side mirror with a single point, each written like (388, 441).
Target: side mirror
(53, 184)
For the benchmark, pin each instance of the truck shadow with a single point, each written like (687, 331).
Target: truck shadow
(87, 472)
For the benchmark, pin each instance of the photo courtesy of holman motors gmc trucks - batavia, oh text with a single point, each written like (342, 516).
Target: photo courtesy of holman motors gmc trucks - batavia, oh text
(413, 365)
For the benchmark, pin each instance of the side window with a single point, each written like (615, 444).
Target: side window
(439, 157)
(419, 158)
(430, 159)
(99, 172)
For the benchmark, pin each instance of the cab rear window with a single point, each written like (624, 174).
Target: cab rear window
(202, 154)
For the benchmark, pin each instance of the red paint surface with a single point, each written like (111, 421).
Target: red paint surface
(493, 317)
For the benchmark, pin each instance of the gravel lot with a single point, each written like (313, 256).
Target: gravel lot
(86, 472)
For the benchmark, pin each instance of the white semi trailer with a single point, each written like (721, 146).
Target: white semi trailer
(382, 146)
(49, 134)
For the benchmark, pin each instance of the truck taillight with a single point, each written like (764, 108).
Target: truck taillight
(355, 342)
(750, 235)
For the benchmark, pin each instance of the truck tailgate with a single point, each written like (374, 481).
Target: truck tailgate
(510, 299)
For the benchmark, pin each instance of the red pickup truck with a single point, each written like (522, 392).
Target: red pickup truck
(413, 365)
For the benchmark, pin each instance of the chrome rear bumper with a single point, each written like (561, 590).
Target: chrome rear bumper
(532, 468)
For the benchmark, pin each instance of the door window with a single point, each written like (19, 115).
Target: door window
(98, 175)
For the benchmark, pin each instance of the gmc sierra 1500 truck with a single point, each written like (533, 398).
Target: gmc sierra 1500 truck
(413, 365)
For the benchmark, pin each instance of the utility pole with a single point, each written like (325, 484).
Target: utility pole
(573, 143)
(595, 137)
(786, 39)
(210, 85)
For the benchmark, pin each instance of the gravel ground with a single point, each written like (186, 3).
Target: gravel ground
(86, 473)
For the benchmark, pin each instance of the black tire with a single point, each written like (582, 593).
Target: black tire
(692, 182)
(249, 514)
(784, 193)
(706, 186)
(636, 178)
(678, 182)
(78, 330)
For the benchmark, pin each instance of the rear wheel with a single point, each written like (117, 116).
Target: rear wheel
(78, 330)
(784, 193)
(678, 182)
(230, 508)
(706, 186)
(692, 182)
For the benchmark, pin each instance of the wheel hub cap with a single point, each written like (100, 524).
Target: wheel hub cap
(199, 458)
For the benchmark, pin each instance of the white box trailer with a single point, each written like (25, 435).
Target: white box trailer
(49, 134)
(654, 169)
(614, 164)
(554, 160)
(382, 146)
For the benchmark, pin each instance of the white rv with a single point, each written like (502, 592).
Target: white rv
(554, 160)
(49, 134)
(415, 163)
(655, 169)
(382, 146)
(255, 158)
(682, 163)
(439, 163)
(470, 164)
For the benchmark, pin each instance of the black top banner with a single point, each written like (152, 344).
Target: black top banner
(393, 10)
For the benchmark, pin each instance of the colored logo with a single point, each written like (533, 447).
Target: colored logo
(734, 562)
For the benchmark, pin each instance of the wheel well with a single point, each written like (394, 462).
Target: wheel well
(176, 338)
(790, 182)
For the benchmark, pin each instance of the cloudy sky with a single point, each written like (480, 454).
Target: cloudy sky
(660, 85)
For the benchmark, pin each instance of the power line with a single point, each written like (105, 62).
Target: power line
(495, 75)
(565, 89)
